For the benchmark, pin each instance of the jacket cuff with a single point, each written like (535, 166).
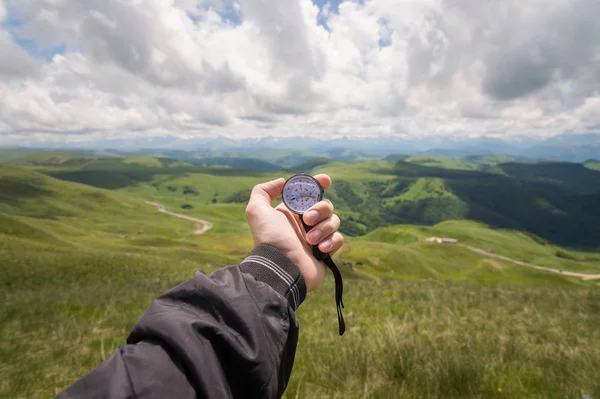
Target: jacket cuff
(270, 265)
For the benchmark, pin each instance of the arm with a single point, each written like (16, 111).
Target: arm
(230, 334)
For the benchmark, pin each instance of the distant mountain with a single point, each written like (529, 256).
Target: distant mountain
(269, 153)
(291, 151)
(567, 147)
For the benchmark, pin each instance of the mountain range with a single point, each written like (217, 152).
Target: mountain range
(287, 151)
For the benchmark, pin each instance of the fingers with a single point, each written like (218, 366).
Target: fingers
(263, 194)
(323, 229)
(324, 181)
(332, 243)
(318, 212)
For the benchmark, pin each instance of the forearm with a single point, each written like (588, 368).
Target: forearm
(230, 334)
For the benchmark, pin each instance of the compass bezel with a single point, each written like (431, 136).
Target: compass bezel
(291, 179)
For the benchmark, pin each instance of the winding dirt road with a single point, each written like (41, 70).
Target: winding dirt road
(202, 226)
(583, 276)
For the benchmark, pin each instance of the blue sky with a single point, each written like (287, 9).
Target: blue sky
(12, 25)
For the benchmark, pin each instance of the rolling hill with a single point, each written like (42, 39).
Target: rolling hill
(79, 264)
(556, 201)
(595, 165)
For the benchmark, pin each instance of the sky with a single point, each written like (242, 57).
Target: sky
(86, 70)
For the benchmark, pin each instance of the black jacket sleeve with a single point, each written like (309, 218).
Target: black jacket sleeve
(232, 334)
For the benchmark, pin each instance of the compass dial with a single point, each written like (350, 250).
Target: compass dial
(301, 192)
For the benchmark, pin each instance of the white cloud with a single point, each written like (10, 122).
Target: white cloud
(184, 68)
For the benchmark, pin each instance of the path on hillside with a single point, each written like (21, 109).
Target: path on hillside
(583, 276)
(202, 225)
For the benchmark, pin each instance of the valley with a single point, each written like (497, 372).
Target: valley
(85, 246)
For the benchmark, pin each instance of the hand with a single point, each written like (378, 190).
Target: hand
(283, 229)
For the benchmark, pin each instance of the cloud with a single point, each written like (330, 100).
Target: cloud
(17, 63)
(244, 68)
(560, 44)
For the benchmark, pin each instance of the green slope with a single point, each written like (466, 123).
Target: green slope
(554, 201)
(572, 177)
(594, 165)
(440, 162)
(79, 265)
(48, 158)
(471, 162)
(513, 244)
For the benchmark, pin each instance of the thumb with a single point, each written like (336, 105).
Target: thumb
(263, 194)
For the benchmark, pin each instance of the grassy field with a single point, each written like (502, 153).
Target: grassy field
(442, 162)
(595, 165)
(79, 265)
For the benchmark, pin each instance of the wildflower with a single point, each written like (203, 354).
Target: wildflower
(499, 389)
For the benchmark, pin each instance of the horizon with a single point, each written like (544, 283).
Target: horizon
(274, 151)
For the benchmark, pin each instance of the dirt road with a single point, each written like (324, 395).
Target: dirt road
(202, 226)
(583, 276)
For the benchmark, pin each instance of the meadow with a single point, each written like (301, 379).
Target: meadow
(79, 264)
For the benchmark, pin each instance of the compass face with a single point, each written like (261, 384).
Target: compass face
(301, 192)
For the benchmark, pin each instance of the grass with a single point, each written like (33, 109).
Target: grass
(594, 165)
(556, 201)
(426, 188)
(433, 339)
(518, 245)
(79, 265)
(441, 162)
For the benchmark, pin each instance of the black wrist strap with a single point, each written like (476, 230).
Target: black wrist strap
(339, 283)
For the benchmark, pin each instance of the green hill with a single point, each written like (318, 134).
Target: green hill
(556, 201)
(440, 162)
(470, 162)
(517, 245)
(48, 158)
(553, 201)
(239, 162)
(567, 177)
(114, 173)
(594, 165)
(78, 266)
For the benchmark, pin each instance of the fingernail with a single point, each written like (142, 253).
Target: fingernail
(311, 216)
(314, 235)
(327, 244)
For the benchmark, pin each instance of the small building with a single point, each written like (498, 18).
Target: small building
(439, 240)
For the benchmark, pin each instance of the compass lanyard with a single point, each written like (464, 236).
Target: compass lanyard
(339, 284)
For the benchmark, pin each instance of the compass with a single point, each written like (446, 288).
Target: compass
(301, 192)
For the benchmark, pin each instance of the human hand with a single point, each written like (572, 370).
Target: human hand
(283, 229)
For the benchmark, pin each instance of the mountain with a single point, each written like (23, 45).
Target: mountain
(571, 147)
(567, 147)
